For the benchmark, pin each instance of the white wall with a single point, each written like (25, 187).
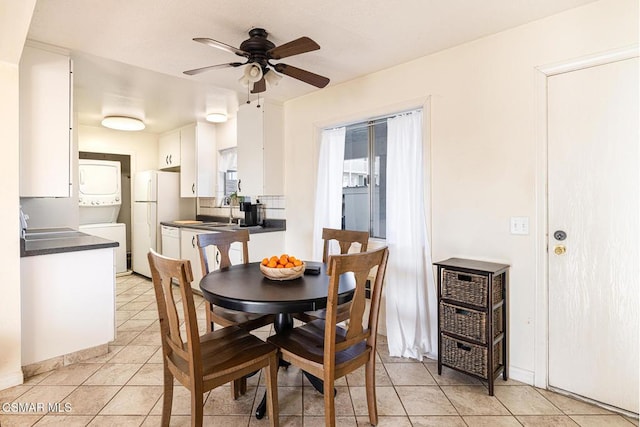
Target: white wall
(14, 23)
(483, 145)
(141, 146)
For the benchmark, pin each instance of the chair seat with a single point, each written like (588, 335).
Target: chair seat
(307, 342)
(228, 350)
(309, 316)
(247, 321)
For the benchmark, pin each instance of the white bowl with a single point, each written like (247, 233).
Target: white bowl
(282, 273)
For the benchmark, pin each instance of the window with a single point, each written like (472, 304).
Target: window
(364, 178)
(227, 174)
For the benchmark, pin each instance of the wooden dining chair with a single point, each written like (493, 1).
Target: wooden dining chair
(345, 239)
(330, 351)
(205, 362)
(224, 316)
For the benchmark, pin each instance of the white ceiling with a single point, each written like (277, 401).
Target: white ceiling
(129, 55)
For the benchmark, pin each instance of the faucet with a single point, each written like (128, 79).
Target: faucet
(229, 201)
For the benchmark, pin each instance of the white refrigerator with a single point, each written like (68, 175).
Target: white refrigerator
(156, 198)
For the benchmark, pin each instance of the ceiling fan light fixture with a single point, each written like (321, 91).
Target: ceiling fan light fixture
(272, 78)
(123, 123)
(216, 117)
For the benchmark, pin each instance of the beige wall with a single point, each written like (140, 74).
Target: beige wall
(483, 145)
(14, 23)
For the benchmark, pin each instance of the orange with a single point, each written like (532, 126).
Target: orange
(279, 266)
(289, 265)
(274, 258)
(272, 264)
(265, 261)
(297, 263)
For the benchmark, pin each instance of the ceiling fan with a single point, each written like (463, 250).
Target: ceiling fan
(259, 53)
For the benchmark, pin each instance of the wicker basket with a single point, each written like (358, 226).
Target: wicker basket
(469, 357)
(468, 323)
(470, 288)
(282, 273)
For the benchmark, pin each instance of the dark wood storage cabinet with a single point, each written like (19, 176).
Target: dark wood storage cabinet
(472, 318)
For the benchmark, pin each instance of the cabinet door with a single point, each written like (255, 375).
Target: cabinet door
(189, 251)
(206, 160)
(250, 150)
(45, 124)
(265, 245)
(169, 150)
(198, 160)
(188, 161)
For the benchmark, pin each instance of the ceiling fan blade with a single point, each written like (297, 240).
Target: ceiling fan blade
(303, 75)
(295, 47)
(259, 86)
(212, 67)
(223, 46)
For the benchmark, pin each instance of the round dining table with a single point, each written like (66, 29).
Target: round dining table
(243, 287)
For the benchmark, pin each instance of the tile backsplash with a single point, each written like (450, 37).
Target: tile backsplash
(275, 207)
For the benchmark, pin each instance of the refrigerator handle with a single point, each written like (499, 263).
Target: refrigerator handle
(149, 189)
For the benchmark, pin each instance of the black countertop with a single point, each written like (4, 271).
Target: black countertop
(47, 241)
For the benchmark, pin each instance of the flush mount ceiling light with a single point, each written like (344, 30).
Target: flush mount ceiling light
(216, 117)
(123, 123)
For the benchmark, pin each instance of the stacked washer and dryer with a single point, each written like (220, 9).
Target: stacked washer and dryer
(100, 199)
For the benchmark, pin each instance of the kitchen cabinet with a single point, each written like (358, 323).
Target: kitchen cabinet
(472, 318)
(68, 303)
(198, 160)
(46, 83)
(265, 245)
(189, 250)
(169, 150)
(260, 149)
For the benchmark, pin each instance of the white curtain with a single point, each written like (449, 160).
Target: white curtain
(410, 288)
(328, 209)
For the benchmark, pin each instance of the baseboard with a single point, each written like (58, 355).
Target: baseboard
(11, 380)
(522, 375)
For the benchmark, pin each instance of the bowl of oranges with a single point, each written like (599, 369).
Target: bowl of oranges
(283, 267)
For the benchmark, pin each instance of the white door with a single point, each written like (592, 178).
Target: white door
(189, 250)
(593, 192)
(143, 236)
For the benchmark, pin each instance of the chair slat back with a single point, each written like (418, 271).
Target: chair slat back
(345, 239)
(222, 241)
(360, 264)
(163, 270)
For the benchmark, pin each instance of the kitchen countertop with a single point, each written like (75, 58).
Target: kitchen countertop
(218, 224)
(47, 241)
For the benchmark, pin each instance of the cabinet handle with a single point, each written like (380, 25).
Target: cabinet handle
(218, 257)
(193, 241)
(193, 188)
(239, 188)
(464, 278)
(166, 160)
(170, 159)
(463, 347)
(461, 311)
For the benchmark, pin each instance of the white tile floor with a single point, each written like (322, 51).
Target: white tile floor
(124, 388)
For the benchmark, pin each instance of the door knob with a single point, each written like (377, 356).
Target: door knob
(560, 249)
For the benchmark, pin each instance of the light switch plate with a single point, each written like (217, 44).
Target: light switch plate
(519, 225)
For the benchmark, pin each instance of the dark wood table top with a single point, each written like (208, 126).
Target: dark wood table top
(243, 287)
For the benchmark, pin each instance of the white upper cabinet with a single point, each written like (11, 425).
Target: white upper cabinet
(45, 123)
(260, 146)
(169, 150)
(198, 160)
